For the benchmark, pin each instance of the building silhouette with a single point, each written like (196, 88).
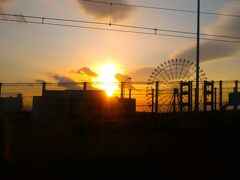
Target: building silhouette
(11, 105)
(80, 104)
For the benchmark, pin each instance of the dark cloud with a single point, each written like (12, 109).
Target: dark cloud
(66, 82)
(102, 11)
(208, 51)
(85, 71)
(212, 50)
(122, 77)
(127, 79)
(227, 25)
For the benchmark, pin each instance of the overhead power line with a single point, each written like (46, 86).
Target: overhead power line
(161, 8)
(120, 30)
(42, 20)
(94, 28)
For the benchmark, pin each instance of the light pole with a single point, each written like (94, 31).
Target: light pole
(129, 78)
(123, 87)
(197, 58)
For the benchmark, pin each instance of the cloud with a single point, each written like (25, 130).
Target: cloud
(102, 11)
(141, 74)
(212, 50)
(208, 51)
(96, 10)
(125, 78)
(122, 77)
(85, 71)
(65, 82)
(227, 25)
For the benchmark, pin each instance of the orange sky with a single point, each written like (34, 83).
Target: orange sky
(30, 52)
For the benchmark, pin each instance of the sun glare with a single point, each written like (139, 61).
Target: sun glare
(106, 79)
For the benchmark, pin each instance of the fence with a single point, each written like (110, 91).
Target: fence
(150, 97)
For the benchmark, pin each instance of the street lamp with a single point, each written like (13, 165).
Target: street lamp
(130, 90)
(123, 87)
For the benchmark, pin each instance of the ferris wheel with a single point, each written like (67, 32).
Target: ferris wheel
(169, 75)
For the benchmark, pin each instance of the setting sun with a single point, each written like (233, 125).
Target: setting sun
(107, 80)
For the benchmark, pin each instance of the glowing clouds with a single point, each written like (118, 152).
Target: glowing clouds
(85, 71)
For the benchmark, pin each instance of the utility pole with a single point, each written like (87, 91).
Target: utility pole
(122, 90)
(197, 58)
(0, 89)
(43, 88)
(156, 97)
(152, 100)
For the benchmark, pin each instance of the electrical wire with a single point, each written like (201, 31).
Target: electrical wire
(117, 30)
(118, 25)
(161, 8)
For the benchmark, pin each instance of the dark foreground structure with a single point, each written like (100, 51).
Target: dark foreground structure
(85, 135)
(80, 105)
(142, 145)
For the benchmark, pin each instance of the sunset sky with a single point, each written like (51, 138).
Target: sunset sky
(30, 52)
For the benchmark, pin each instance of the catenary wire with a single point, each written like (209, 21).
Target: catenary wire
(161, 8)
(117, 25)
(119, 30)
